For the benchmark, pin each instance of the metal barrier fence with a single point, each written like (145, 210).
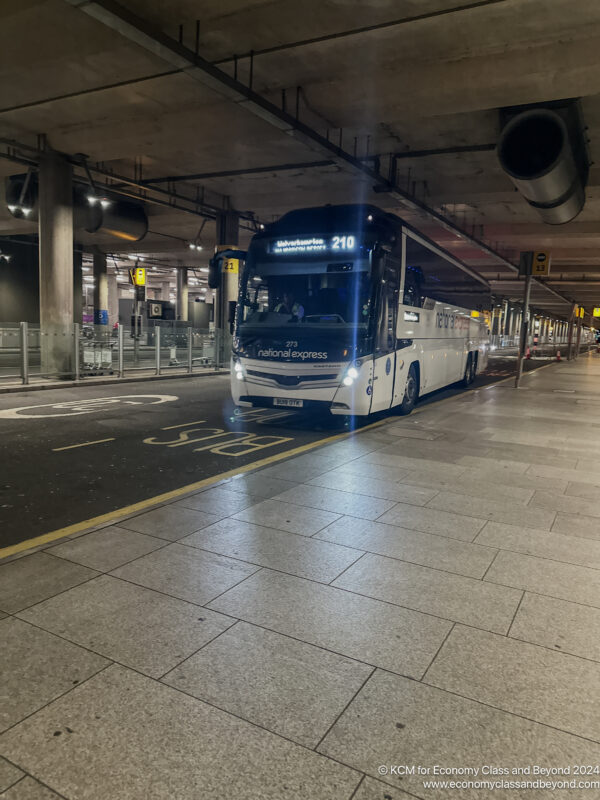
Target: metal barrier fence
(29, 355)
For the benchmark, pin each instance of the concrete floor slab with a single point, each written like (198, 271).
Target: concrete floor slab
(36, 577)
(373, 487)
(394, 721)
(133, 735)
(258, 485)
(577, 525)
(356, 505)
(30, 789)
(552, 578)
(358, 627)
(108, 548)
(376, 790)
(428, 550)
(219, 501)
(288, 552)
(533, 682)
(9, 774)
(505, 511)
(283, 685)
(186, 573)
(559, 625)
(431, 520)
(431, 591)
(530, 542)
(35, 668)
(288, 517)
(170, 522)
(147, 631)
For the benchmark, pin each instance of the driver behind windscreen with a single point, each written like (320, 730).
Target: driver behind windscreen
(289, 306)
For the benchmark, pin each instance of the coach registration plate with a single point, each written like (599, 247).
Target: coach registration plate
(284, 401)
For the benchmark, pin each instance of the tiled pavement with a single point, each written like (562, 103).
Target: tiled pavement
(424, 593)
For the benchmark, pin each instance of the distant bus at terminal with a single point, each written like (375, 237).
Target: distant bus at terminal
(347, 309)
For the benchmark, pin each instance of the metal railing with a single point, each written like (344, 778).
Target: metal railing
(31, 355)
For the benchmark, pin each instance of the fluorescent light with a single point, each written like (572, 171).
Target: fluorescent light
(203, 269)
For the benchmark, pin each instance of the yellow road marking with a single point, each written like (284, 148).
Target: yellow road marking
(110, 516)
(83, 444)
(182, 425)
(142, 505)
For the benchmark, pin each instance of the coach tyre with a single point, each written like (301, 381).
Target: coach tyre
(469, 376)
(411, 392)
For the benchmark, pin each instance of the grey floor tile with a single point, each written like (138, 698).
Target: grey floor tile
(414, 463)
(506, 511)
(30, 789)
(470, 483)
(549, 687)
(182, 754)
(552, 578)
(431, 520)
(577, 525)
(548, 471)
(107, 548)
(258, 485)
(567, 504)
(286, 686)
(356, 505)
(170, 522)
(394, 720)
(30, 579)
(419, 548)
(370, 470)
(3, 615)
(404, 431)
(219, 501)
(500, 465)
(135, 626)
(506, 478)
(453, 597)
(559, 625)
(186, 573)
(296, 471)
(9, 774)
(376, 790)
(36, 667)
(288, 517)
(358, 627)
(586, 490)
(267, 547)
(541, 543)
(374, 487)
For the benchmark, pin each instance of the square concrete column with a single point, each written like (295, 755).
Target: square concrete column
(100, 289)
(113, 299)
(56, 264)
(77, 287)
(182, 294)
(228, 232)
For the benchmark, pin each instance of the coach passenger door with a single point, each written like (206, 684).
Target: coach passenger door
(384, 367)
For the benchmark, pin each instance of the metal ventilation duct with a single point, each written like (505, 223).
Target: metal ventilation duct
(118, 218)
(536, 152)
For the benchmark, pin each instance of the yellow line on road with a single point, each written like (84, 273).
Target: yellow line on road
(182, 425)
(83, 444)
(142, 505)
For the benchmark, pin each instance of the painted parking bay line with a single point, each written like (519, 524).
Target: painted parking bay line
(143, 505)
(82, 444)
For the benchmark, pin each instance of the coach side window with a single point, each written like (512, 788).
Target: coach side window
(388, 310)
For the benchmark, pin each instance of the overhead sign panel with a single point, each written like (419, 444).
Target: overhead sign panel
(541, 263)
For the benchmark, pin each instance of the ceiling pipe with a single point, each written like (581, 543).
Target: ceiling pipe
(536, 152)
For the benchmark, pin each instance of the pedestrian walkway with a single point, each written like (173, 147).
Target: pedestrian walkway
(417, 603)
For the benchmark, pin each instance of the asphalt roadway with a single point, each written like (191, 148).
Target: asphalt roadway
(72, 454)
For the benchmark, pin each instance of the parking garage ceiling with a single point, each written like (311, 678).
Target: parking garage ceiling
(265, 106)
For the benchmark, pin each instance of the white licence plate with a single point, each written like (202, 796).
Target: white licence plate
(284, 401)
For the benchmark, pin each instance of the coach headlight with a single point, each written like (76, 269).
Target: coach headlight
(238, 369)
(350, 376)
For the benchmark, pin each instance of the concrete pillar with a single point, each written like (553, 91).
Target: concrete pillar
(113, 299)
(166, 291)
(100, 289)
(77, 287)
(182, 294)
(228, 231)
(56, 264)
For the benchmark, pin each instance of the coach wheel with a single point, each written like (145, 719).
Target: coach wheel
(469, 375)
(411, 392)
